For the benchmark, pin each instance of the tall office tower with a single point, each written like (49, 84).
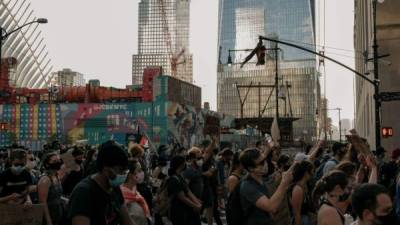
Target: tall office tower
(163, 34)
(240, 24)
(26, 45)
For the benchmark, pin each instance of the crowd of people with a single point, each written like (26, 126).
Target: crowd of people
(112, 184)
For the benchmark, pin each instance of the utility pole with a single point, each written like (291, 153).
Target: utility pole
(340, 125)
(276, 83)
(376, 78)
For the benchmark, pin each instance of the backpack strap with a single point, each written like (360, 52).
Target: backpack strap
(326, 202)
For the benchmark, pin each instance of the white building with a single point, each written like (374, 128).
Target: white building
(68, 78)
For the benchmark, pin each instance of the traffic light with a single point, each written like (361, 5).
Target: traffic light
(387, 132)
(261, 55)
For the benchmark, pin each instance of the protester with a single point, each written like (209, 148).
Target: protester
(329, 191)
(97, 200)
(300, 196)
(372, 205)
(50, 189)
(136, 204)
(255, 199)
(76, 174)
(15, 181)
(194, 177)
(183, 202)
(137, 153)
(210, 178)
(388, 172)
(339, 151)
(236, 174)
(89, 165)
(283, 215)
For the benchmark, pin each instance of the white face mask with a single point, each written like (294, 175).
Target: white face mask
(140, 177)
(199, 163)
(164, 170)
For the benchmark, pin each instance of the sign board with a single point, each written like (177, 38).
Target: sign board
(18, 215)
(389, 96)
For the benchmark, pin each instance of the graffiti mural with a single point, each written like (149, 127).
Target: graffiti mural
(161, 122)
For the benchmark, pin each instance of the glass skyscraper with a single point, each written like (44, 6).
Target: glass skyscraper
(152, 43)
(240, 24)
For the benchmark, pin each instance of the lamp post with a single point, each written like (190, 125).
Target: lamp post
(4, 34)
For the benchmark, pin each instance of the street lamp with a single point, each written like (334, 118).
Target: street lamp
(4, 34)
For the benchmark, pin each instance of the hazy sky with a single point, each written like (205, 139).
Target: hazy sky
(98, 38)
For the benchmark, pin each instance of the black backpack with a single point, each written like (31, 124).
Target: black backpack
(235, 214)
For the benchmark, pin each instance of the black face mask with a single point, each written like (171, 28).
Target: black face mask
(78, 161)
(344, 197)
(55, 166)
(388, 219)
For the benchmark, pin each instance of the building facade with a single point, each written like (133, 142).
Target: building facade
(240, 24)
(153, 39)
(68, 78)
(26, 46)
(388, 36)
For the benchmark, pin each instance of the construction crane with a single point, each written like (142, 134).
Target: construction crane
(167, 35)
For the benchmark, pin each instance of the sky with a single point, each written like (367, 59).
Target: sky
(98, 39)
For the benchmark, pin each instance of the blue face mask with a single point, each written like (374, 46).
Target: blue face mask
(118, 180)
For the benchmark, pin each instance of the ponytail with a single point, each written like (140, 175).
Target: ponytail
(327, 183)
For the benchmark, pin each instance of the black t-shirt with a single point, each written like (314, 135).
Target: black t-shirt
(195, 178)
(11, 183)
(90, 200)
(250, 192)
(71, 181)
(177, 184)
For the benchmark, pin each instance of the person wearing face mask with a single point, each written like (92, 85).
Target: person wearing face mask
(299, 195)
(183, 203)
(50, 189)
(31, 167)
(329, 191)
(194, 177)
(76, 174)
(97, 199)
(136, 204)
(160, 173)
(256, 201)
(373, 206)
(16, 181)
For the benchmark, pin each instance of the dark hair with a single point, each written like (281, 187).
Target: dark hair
(364, 197)
(110, 155)
(176, 162)
(235, 162)
(283, 160)
(17, 154)
(191, 156)
(132, 166)
(347, 167)
(46, 158)
(328, 182)
(300, 169)
(77, 152)
(248, 158)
